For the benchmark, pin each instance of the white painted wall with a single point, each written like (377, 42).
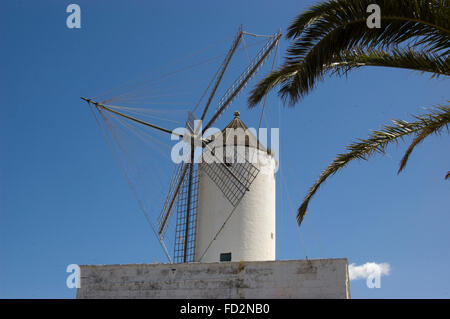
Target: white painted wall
(249, 234)
(320, 278)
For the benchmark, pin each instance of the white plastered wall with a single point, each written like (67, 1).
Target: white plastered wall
(249, 234)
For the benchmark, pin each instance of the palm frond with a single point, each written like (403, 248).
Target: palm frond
(266, 84)
(377, 142)
(396, 58)
(419, 138)
(298, 81)
(423, 22)
(326, 30)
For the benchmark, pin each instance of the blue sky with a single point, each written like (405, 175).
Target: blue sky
(63, 199)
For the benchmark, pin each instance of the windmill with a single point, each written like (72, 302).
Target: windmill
(193, 185)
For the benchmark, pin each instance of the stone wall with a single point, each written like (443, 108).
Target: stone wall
(319, 278)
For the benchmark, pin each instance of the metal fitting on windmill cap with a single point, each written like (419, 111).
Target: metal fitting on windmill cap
(236, 113)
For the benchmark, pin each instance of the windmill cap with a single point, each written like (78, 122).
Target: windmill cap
(249, 139)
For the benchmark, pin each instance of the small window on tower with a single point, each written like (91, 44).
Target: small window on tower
(225, 257)
(228, 161)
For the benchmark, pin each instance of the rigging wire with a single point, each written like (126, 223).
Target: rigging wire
(147, 115)
(221, 228)
(314, 230)
(166, 75)
(292, 209)
(195, 53)
(246, 50)
(315, 233)
(126, 153)
(144, 110)
(139, 179)
(129, 182)
(257, 35)
(207, 89)
(265, 97)
(139, 173)
(158, 88)
(139, 131)
(143, 135)
(283, 179)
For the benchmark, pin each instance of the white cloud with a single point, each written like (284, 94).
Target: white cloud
(367, 270)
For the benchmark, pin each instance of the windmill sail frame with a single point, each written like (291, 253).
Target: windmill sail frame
(187, 202)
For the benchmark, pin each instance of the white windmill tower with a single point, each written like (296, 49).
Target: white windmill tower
(236, 218)
(224, 206)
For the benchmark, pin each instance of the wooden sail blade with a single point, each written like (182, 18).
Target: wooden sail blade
(225, 63)
(243, 79)
(233, 179)
(184, 247)
(177, 181)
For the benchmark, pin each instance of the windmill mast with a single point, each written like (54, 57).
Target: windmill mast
(104, 107)
(222, 72)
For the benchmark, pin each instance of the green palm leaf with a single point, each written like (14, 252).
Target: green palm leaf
(396, 58)
(328, 30)
(418, 139)
(401, 20)
(298, 76)
(377, 142)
